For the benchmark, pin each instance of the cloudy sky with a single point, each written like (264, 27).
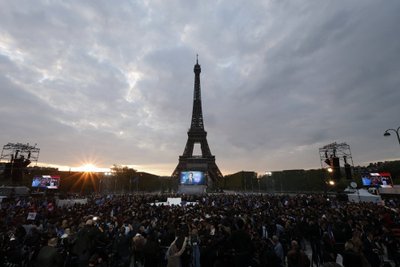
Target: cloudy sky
(111, 82)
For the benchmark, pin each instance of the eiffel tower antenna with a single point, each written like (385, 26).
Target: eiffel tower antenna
(197, 135)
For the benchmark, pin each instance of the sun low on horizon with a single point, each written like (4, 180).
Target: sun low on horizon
(89, 167)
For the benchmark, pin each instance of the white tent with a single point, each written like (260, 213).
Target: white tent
(362, 195)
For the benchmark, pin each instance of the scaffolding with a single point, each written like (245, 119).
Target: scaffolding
(340, 152)
(14, 159)
(13, 151)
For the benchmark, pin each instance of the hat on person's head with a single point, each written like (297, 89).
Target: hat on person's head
(89, 222)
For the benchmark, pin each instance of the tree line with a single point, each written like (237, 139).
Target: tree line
(123, 179)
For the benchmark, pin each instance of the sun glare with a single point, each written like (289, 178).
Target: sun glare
(88, 168)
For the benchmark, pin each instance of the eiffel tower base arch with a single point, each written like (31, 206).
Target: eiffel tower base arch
(208, 166)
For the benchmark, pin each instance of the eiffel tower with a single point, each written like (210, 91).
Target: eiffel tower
(197, 135)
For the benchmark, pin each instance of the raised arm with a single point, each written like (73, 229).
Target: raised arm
(180, 252)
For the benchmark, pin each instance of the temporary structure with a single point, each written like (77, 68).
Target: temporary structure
(362, 195)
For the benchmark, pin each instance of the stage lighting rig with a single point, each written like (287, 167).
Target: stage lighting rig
(331, 157)
(17, 157)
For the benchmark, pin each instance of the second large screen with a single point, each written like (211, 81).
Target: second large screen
(46, 181)
(381, 179)
(192, 178)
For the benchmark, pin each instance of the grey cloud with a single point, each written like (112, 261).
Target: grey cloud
(279, 79)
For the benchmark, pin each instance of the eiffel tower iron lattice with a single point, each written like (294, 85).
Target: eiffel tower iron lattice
(197, 135)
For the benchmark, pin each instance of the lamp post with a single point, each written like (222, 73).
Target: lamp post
(393, 130)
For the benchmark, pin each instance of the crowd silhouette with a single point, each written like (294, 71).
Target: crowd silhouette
(213, 230)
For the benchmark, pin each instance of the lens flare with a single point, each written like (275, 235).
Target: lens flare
(88, 168)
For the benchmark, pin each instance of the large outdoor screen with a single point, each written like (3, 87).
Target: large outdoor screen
(192, 178)
(46, 181)
(377, 179)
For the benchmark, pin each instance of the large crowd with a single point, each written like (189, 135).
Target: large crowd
(209, 230)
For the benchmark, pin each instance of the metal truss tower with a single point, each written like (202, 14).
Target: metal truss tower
(17, 157)
(335, 155)
(197, 135)
(12, 151)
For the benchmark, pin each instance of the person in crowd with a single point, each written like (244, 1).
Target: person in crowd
(85, 243)
(278, 249)
(49, 256)
(175, 250)
(151, 250)
(13, 246)
(139, 242)
(296, 256)
(328, 249)
(371, 250)
(241, 244)
(97, 261)
(194, 242)
(122, 245)
(266, 256)
(314, 237)
(350, 257)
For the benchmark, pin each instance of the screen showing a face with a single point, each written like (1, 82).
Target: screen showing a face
(46, 181)
(381, 179)
(192, 178)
